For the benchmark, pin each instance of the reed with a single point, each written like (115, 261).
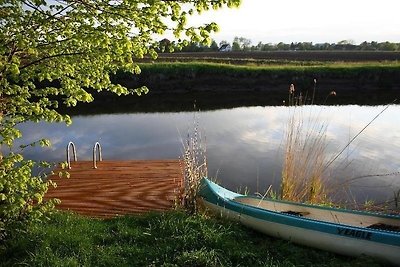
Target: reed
(304, 162)
(305, 156)
(194, 167)
(305, 172)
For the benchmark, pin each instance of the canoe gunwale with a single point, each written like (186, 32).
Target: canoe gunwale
(357, 212)
(320, 221)
(228, 202)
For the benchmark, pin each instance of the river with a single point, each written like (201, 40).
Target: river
(244, 144)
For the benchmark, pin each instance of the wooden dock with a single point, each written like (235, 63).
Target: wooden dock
(118, 187)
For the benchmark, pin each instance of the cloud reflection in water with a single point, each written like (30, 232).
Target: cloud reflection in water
(244, 145)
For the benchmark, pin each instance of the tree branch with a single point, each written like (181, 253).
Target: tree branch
(36, 8)
(50, 57)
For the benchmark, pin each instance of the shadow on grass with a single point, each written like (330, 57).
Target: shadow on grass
(158, 239)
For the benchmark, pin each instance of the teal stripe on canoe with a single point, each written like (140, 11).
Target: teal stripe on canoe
(220, 196)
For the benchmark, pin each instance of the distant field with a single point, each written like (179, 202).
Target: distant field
(279, 57)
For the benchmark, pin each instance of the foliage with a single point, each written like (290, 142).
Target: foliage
(345, 45)
(56, 53)
(199, 47)
(23, 205)
(241, 44)
(169, 239)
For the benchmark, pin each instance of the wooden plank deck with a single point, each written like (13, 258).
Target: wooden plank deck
(118, 187)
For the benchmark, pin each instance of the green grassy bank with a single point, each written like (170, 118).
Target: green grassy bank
(279, 57)
(368, 83)
(170, 239)
(176, 86)
(285, 72)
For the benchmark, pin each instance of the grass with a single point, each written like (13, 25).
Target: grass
(357, 82)
(190, 70)
(270, 57)
(194, 167)
(316, 67)
(305, 156)
(176, 238)
(158, 239)
(305, 175)
(306, 167)
(304, 160)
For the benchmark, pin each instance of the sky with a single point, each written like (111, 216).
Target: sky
(316, 21)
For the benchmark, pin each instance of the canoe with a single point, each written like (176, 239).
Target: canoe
(347, 232)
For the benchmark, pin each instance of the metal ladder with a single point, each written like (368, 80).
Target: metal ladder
(70, 144)
(96, 148)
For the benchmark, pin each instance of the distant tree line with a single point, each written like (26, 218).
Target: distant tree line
(245, 44)
(342, 45)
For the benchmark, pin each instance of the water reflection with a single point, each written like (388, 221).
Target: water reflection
(244, 145)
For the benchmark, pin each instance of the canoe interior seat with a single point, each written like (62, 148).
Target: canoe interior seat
(296, 213)
(387, 227)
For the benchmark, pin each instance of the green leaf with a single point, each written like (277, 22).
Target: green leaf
(45, 142)
(50, 50)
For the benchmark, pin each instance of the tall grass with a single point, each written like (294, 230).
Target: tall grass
(305, 172)
(305, 156)
(305, 159)
(194, 165)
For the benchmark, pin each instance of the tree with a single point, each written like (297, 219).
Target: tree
(346, 42)
(241, 43)
(214, 46)
(236, 44)
(305, 45)
(387, 46)
(200, 47)
(55, 53)
(268, 47)
(282, 46)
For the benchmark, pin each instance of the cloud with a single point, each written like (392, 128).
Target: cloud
(242, 143)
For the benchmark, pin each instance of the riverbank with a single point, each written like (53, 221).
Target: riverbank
(159, 239)
(349, 78)
(353, 81)
(178, 86)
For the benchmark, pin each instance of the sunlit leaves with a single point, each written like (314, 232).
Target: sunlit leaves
(21, 195)
(141, 90)
(8, 135)
(55, 53)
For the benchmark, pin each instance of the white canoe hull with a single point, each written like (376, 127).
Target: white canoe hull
(337, 244)
(353, 238)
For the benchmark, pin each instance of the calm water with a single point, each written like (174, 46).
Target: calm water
(244, 145)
